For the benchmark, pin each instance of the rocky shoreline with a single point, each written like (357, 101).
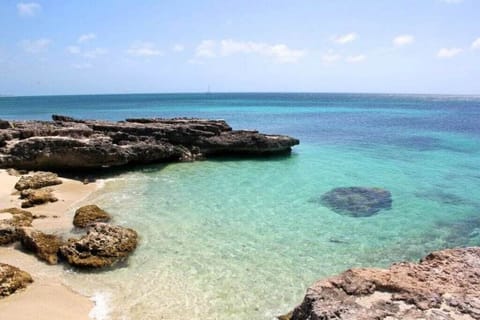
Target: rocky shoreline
(66, 143)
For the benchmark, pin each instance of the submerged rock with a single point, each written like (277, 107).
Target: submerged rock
(67, 143)
(12, 279)
(443, 285)
(36, 197)
(357, 201)
(44, 246)
(37, 180)
(89, 214)
(102, 246)
(10, 220)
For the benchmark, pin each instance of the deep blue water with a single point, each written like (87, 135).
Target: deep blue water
(243, 238)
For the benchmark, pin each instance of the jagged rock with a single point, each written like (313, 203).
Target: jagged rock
(444, 285)
(67, 143)
(37, 180)
(10, 220)
(102, 246)
(12, 279)
(4, 124)
(44, 246)
(357, 201)
(36, 197)
(89, 214)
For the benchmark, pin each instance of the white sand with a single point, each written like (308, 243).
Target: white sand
(47, 298)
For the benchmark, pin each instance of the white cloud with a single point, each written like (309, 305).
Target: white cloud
(73, 49)
(94, 53)
(330, 57)
(280, 53)
(403, 40)
(85, 65)
(144, 49)
(476, 44)
(356, 59)
(86, 37)
(178, 48)
(449, 52)
(345, 38)
(36, 46)
(206, 49)
(28, 9)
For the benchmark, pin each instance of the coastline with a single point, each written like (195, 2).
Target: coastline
(47, 297)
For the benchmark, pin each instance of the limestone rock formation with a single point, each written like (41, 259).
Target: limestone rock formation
(44, 246)
(35, 197)
(12, 279)
(357, 201)
(37, 180)
(67, 143)
(443, 285)
(89, 214)
(102, 246)
(10, 220)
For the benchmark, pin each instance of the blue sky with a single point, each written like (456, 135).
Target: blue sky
(77, 47)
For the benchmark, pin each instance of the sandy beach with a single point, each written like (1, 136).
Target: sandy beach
(47, 297)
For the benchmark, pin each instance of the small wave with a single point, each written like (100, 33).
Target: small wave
(101, 310)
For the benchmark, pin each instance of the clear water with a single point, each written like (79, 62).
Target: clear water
(242, 238)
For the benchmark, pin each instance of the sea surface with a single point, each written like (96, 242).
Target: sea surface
(233, 238)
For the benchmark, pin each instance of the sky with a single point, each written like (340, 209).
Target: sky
(50, 47)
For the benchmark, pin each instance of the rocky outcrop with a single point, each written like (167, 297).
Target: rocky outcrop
(104, 245)
(89, 214)
(12, 279)
(67, 143)
(443, 285)
(35, 197)
(44, 246)
(11, 220)
(37, 180)
(357, 201)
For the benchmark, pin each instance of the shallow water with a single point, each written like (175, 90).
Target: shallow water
(242, 238)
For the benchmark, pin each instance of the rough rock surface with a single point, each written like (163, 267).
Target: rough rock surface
(444, 285)
(102, 246)
(44, 246)
(67, 143)
(89, 214)
(10, 220)
(35, 197)
(357, 201)
(12, 279)
(37, 180)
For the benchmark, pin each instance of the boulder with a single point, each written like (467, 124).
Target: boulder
(4, 124)
(443, 285)
(357, 201)
(12, 279)
(44, 246)
(104, 245)
(10, 220)
(89, 214)
(68, 143)
(37, 180)
(36, 197)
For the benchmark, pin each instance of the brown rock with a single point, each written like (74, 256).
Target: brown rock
(89, 214)
(36, 197)
(10, 220)
(443, 284)
(12, 279)
(37, 180)
(45, 246)
(102, 246)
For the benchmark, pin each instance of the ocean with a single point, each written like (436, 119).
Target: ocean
(243, 238)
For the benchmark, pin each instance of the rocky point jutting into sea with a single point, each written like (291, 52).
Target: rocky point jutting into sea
(67, 143)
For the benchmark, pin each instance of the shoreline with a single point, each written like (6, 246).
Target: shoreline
(47, 297)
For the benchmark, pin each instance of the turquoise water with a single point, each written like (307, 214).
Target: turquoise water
(242, 238)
